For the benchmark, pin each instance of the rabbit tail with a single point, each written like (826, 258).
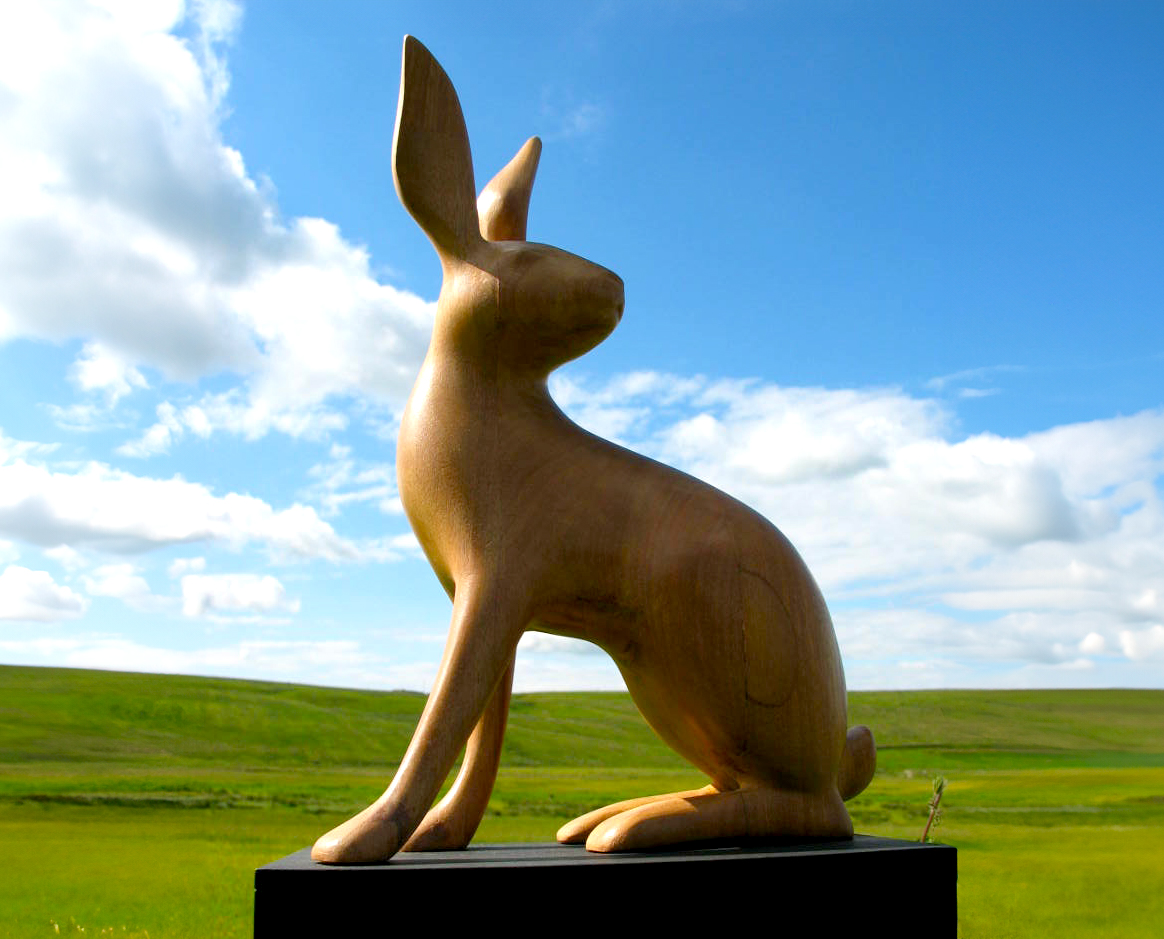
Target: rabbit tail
(857, 762)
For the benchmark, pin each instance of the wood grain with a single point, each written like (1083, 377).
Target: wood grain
(530, 522)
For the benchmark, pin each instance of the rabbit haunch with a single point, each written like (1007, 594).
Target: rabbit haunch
(530, 522)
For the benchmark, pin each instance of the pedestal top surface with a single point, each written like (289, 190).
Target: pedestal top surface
(539, 855)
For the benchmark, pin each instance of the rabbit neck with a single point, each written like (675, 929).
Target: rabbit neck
(467, 418)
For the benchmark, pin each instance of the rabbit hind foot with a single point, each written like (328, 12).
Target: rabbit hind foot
(578, 830)
(720, 816)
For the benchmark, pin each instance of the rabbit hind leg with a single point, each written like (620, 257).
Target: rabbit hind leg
(710, 816)
(576, 832)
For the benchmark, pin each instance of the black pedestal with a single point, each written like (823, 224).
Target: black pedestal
(831, 887)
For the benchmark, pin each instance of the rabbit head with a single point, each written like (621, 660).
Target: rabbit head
(530, 306)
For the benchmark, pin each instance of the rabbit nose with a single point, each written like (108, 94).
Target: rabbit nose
(617, 296)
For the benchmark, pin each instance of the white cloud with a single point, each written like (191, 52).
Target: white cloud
(915, 633)
(98, 369)
(112, 206)
(624, 405)
(586, 118)
(102, 372)
(181, 566)
(985, 486)
(541, 673)
(159, 437)
(957, 380)
(136, 229)
(549, 644)
(67, 557)
(391, 548)
(1119, 453)
(1143, 644)
(123, 582)
(112, 510)
(34, 596)
(343, 481)
(570, 118)
(218, 22)
(406, 544)
(336, 662)
(11, 449)
(203, 594)
(82, 416)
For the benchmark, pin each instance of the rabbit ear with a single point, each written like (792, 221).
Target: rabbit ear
(431, 162)
(504, 204)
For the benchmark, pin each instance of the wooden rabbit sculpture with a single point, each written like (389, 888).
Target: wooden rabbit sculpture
(530, 522)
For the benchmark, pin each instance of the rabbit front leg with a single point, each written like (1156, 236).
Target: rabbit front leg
(452, 822)
(482, 640)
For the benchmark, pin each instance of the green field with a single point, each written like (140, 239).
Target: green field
(141, 804)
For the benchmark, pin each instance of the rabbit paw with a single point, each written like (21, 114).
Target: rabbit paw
(365, 838)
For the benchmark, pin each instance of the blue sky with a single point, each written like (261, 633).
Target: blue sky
(893, 277)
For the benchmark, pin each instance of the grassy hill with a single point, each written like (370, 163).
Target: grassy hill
(143, 803)
(79, 716)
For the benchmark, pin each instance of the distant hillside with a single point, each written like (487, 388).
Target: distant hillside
(82, 715)
(74, 715)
